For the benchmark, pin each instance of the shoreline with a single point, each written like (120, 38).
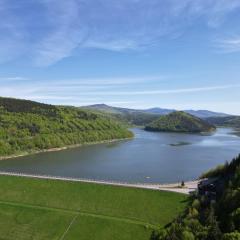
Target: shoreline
(189, 186)
(210, 132)
(27, 153)
(58, 149)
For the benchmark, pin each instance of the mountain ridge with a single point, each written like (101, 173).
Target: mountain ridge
(155, 110)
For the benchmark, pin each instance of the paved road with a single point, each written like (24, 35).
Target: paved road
(173, 187)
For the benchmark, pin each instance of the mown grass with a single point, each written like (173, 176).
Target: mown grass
(104, 212)
(21, 223)
(106, 229)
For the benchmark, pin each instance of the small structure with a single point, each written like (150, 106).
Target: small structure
(208, 187)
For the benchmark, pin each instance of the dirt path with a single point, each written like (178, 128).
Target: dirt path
(173, 187)
(68, 228)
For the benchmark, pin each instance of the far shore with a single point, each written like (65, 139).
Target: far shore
(33, 152)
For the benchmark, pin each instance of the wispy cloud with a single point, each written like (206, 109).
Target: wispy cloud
(66, 35)
(10, 79)
(59, 28)
(229, 45)
(65, 93)
(67, 89)
(136, 92)
(112, 81)
(166, 91)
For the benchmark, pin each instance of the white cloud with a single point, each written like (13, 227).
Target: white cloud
(70, 91)
(114, 45)
(69, 88)
(17, 78)
(66, 35)
(229, 45)
(61, 27)
(112, 81)
(124, 93)
(164, 91)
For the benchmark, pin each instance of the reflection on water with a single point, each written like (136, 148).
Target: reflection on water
(149, 157)
(179, 144)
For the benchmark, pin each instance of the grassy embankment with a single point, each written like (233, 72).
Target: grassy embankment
(48, 209)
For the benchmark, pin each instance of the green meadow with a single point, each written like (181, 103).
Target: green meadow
(51, 209)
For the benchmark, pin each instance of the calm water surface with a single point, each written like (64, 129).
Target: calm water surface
(149, 157)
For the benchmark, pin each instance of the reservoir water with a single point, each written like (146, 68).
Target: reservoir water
(149, 157)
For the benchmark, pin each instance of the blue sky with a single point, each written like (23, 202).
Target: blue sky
(130, 53)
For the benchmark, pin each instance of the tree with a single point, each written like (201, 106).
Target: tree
(186, 235)
(155, 236)
(214, 232)
(231, 236)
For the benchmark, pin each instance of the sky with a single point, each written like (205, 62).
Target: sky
(127, 53)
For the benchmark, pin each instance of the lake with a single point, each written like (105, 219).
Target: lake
(149, 157)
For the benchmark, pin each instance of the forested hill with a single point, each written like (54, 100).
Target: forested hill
(27, 126)
(229, 121)
(125, 115)
(214, 212)
(179, 122)
(25, 106)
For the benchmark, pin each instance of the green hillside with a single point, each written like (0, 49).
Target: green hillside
(27, 126)
(179, 122)
(125, 115)
(214, 212)
(229, 121)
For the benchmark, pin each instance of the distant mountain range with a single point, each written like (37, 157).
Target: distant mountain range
(156, 110)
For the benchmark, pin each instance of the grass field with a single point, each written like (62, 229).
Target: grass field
(51, 209)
